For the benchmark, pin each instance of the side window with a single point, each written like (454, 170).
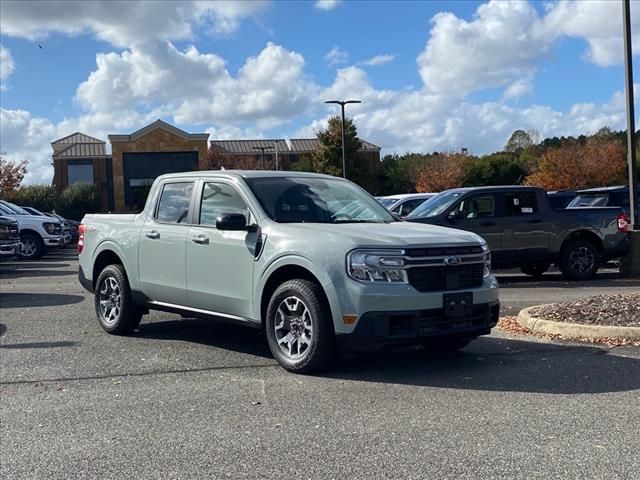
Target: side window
(220, 198)
(173, 206)
(479, 206)
(410, 205)
(520, 203)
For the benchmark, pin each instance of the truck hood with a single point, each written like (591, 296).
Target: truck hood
(396, 234)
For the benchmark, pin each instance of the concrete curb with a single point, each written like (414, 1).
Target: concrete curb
(574, 330)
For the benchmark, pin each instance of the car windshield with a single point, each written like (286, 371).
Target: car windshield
(435, 205)
(15, 209)
(316, 200)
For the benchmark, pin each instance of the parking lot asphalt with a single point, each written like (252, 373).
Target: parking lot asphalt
(185, 398)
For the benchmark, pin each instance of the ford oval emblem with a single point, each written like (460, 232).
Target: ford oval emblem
(452, 261)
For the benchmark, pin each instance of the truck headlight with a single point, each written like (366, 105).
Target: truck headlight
(385, 266)
(487, 259)
(51, 228)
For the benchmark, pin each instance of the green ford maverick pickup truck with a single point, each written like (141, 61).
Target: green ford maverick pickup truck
(311, 259)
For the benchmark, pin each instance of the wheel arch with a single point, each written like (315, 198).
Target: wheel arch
(107, 254)
(587, 235)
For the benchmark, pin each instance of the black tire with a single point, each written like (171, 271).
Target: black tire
(125, 317)
(320, 350)
(444, 345)
(32, 247)
(579, 260)
(535, 270)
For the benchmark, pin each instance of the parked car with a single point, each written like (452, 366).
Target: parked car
(313, 260)
(67, 229)
(10, 245)
(37, 234)
(560, 199)
(604, 197)
(523, 230)
(403, 205)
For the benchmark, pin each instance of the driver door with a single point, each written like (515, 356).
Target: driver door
(478, 214)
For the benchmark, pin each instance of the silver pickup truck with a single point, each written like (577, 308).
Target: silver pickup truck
(312, 260)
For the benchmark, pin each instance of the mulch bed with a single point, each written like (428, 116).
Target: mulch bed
(622, 310)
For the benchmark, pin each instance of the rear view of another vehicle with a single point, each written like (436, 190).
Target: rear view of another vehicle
(10, 245)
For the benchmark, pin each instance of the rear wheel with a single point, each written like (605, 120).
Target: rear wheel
(536, 270)
(32, 247)
(579, 260)
(299, 327)
(113, 301)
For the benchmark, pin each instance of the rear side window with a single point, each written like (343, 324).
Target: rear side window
(520, 203)
(173, 206)
(218, 199)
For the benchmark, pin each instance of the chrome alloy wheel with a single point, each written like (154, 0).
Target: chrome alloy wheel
(582, 259)
(110, 301)
(293, 328)
(29, 247)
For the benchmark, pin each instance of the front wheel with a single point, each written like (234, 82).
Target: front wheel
(113, 301)
(32, 247)
(299, 327)
(579, 260)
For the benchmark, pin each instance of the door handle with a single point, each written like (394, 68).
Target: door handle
(153, 234)
(200, 239)
(535, 220)
(488, 224)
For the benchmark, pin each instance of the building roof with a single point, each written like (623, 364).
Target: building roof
(82, 150)
(295, 145)
(76, 137)
(155, 125)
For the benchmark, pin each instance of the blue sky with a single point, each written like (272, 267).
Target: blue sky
(432, 75)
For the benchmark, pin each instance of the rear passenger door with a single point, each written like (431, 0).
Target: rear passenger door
(162, 245)
(220, 263)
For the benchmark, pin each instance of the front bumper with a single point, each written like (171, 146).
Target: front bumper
(10, 248)
(378, 329)
(55, 241)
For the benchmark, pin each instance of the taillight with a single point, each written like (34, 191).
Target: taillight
(623, 222)
(81, 230)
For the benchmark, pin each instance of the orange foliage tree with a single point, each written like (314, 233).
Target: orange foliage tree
(598, 162)
(11, 175)
(440, 172)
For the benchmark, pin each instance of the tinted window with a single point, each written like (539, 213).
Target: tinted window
(520, 203)
(217, 199)
(80, 173)
(436, 205)
(410, 205)
(479, 206)
(174, 202)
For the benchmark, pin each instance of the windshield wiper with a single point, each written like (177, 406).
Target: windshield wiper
(354, 220)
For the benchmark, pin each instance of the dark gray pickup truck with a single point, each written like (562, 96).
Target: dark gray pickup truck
(523, 230)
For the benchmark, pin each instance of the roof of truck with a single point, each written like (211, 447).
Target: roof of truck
(497, 187)
(247, 174)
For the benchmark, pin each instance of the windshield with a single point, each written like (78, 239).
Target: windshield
(15, 209)
(316, 200)
(435, 205)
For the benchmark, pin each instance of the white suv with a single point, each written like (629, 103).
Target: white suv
(36, 233)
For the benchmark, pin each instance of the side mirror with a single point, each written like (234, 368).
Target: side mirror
(233, 222)
(454, 215)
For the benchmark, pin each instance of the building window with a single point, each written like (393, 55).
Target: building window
(80, 173)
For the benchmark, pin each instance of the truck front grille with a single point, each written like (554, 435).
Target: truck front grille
(444, 278)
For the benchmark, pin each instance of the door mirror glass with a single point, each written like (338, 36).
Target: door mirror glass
(454, 215)
(232, 222)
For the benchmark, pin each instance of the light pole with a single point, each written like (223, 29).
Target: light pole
(342, 103)
(631, 129)
(262, 149)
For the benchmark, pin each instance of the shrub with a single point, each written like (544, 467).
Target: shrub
(40, 197)
(495, 169)
(78, 200)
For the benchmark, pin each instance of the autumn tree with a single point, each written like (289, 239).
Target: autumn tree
(441, 172)
(597, 162)
(11, 175)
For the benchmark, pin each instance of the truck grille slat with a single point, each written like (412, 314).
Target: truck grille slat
(445, 278)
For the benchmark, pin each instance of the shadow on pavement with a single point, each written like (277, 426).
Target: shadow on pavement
(26, 264)
(21, 346)
(557, 280)
(502, 365)
(210, 333)
(13, 273)
(25, 300)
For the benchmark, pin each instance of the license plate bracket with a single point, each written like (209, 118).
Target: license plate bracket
(458, 306)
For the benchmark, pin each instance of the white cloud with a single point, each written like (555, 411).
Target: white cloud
(378, 60)
(336, 56)
(519, 88)
(123, 24)
(7, 65)
(326, 5)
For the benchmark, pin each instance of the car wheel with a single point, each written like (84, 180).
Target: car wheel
(32, 247)
(299, 327)
(536, 270)
(579, 260)
(443, 345)
(116, 311)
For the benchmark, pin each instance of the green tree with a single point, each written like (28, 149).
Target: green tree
(328, 157)
(41, 197)
(78, 200)
(501, 168)
(519, 140)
